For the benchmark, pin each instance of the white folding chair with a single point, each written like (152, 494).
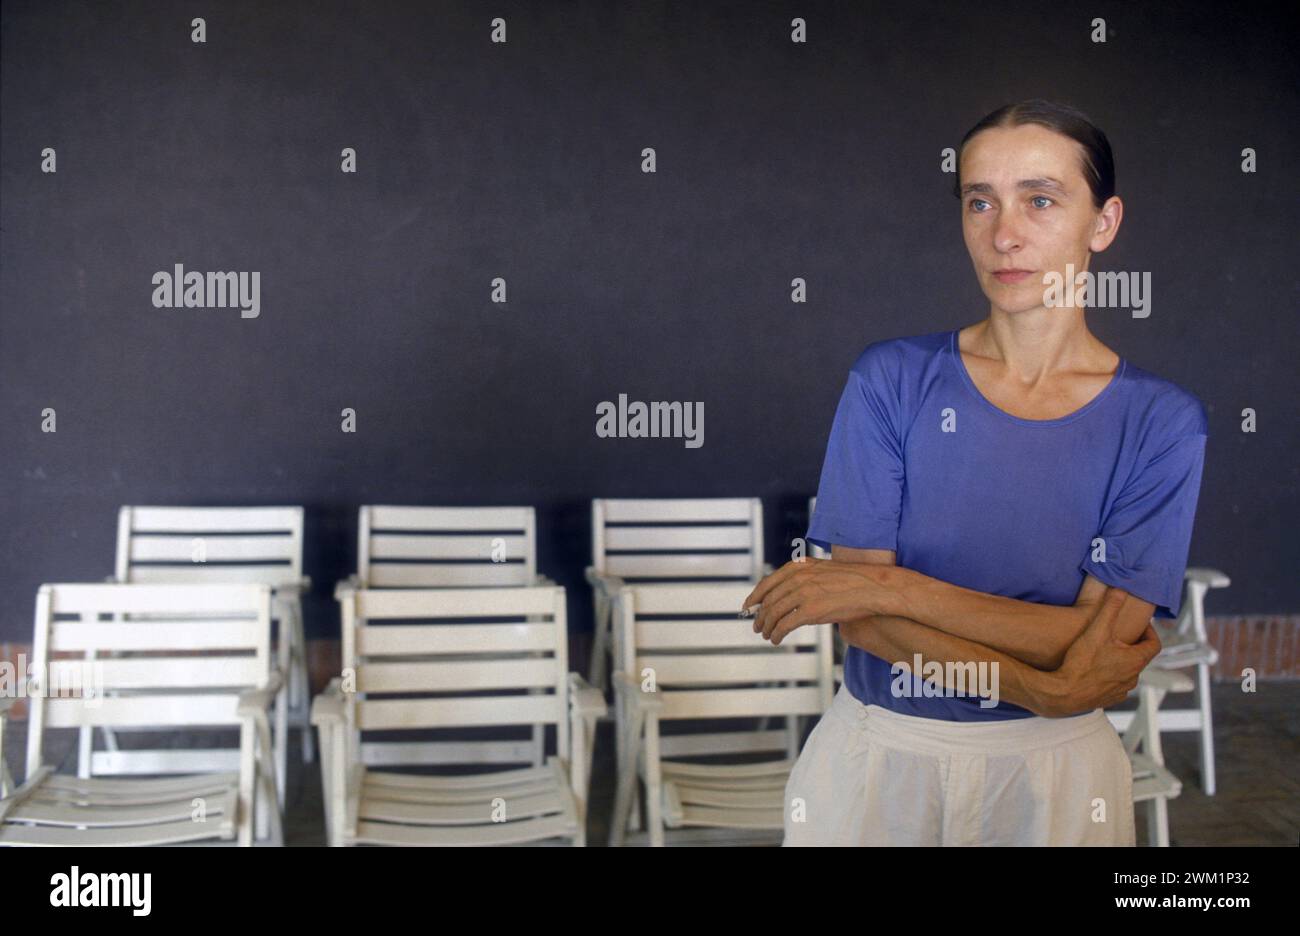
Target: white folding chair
(1185, 644)
(253, 545)
(447, 547)
(685, 657)
(455, 658)
(1153, 783)
(667, 540)
(201, 658)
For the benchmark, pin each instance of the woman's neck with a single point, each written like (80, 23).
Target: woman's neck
(1038, 343)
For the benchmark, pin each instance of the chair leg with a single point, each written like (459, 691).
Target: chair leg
(597, 674)
(270, 811)
(281, 742)
(623, 794)
(262, 823)
(634, 823)
(627, 733)
(653, 785)
(1207, 728)
(326, 757)
(301, 702)
(247, 775)
(1158, 822)
(277, 822)
(627, 739)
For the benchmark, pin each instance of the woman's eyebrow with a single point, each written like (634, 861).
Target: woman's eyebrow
(1044, 183)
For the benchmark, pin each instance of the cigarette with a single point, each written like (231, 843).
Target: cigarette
(751, 611)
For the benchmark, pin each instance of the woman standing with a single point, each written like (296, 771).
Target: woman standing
(1011, 501)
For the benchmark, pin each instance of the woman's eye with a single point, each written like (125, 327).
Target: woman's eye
(1044, 198)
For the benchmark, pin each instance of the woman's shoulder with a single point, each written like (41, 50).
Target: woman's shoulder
(1163, 405)
(891, 358)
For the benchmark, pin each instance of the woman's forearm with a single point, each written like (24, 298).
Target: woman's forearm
(1038, 634)
(898, 640)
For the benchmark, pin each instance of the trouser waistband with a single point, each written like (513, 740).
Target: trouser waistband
(940, 736)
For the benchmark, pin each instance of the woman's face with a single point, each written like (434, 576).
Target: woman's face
(1026, 206)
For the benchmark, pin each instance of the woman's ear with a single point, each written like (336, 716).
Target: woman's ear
(1108, 221)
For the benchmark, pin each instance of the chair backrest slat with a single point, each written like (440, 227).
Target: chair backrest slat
(192, 672)
(461, 712)
(145, 711)
(446, 547)
(677, 538)
(258, 545)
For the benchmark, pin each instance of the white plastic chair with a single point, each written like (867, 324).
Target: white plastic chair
(443, 658)
(447, 547)
(1153, 783)
(215, 672)
(667, 540)
(212, 545)
(686, 643)
(1185, 644)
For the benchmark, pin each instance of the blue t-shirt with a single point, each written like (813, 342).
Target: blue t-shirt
(920, 462)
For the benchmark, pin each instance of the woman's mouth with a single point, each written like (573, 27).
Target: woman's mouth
(1011, 275)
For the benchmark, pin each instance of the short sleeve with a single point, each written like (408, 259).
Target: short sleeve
(1148, 531)
(860, 494)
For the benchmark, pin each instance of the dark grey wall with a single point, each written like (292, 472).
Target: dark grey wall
(522, 160)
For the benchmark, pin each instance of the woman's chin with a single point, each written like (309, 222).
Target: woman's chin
(1007, 302)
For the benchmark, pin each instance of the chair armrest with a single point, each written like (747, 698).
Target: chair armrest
(630, 690)
(328, 706)
(585, 700)
(298, 588)
(253, 702)
(29, 785)
(1168, 680)
(1211, 578)
(351, 583)
(608, 585)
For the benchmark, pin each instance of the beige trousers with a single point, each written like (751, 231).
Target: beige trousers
(870, 776)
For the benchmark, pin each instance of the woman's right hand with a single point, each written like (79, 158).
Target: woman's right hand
(1099, 669)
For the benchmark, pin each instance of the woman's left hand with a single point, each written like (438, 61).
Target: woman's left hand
(816, 591)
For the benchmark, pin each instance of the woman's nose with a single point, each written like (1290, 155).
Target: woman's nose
(1006, 235)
